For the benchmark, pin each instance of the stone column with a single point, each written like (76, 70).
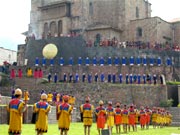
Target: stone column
(179, 94)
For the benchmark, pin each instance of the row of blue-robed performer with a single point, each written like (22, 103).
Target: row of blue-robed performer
(110, 78)
(109, 61)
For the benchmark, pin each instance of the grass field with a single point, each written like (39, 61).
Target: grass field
(77, 129)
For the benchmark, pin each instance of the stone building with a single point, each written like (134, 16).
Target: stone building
(7, 55)
(126, 20)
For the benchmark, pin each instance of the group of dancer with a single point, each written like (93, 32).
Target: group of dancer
(111, 116)
(126, 116)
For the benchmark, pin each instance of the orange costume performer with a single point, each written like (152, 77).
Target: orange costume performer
(87, 111)
(118, 118)
(132, 117)
(64, 111)
(101, 116)
(148, 116)
(142, 114)
(16, 107)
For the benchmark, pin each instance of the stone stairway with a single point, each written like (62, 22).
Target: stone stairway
(175, 111)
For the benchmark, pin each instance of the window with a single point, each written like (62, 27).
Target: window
(139, 32)
(137, 12)
(90, 8)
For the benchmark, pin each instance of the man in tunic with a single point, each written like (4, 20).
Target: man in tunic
(87, 112)
(110, 116)
(16, 108)
(101, 116)
(64, 112)
(118, 118)
(42, 109)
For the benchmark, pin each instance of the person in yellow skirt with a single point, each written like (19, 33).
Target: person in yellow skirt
(87, 112)
(42, 109)
(136, 117)
(64, 111)
(16, 107)
(154, 117)
(110, 116)
(26, 96)
(29, 72)
(125, 120)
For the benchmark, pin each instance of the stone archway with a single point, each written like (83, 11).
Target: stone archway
(46, 30)
(60, 27)
(53, 29)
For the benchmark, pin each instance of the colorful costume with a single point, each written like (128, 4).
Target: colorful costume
(64, 111)
(101, 117)
(132, 115)
(15, 122)
(118, 117)
(29, 72)
(125, 117)
(142, 117)
(87, 111)
(49, 97)
(110, 116)
(42, 108)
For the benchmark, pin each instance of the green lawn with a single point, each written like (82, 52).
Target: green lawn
(77, 129)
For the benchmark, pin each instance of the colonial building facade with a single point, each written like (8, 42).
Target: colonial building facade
(125, 20)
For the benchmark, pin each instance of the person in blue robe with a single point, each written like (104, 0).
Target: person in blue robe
(76, 78)
(131, 61)
(87, 61)
(83, 77)
(151, 61)
(102, 77)
(109, 77)
(144, 78)
(145, 61)
(123, 61)
(89, 78)
(120, 78)
(55, 78)
(96, 77)
(94, 61)
(114, 78)
(131, 78)
(79, 61)
(109, 61)
(61, 61)
(135, 78)
(159, 61)
(127, 78)
(64, 77)
(44, 61)
(116, 61)
(138, 61)
(51, 62)
(101, 61)
(139, 78)
(37, 61)
(168, 62)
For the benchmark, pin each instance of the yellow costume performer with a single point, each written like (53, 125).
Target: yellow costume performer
(87, 111)
(29, 72)
(42, 109)
(16, 107)
(49, 97)
(64, 111)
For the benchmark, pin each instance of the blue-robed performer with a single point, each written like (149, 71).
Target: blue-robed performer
(159, 61)
(44, 61)
(76, 78)
(169, 62)
(109, 77)
(145, 61)
(89, 78)
(124, 61)
(131, 78)
(61, 61)
(94, 61)
(138, 61)
(83, 77)
(139, 78)
(64, 77)
(79, 61)
(120, 78)
(109, 61)
(101, 61)
(102, 77)
(131, 61)
(151, 61)
(96, 77)
(127, 78)
(135, 78)
(51, 62)
(144, 78)
(70, 61)
(37, 61)
(116, 61)
(114, 78)
(87, 61)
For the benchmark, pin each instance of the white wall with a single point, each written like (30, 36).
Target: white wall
(7, 55)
